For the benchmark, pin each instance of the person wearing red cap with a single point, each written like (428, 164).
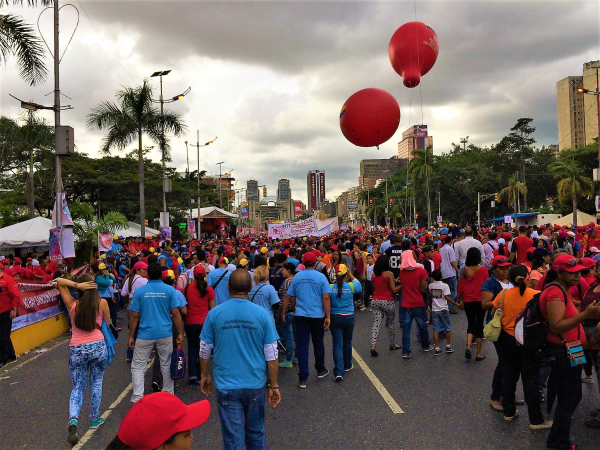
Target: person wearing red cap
(564, 326)
(518, 251)
(243, 336)
(9, 301)
(160, 421)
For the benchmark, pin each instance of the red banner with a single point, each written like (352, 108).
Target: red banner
(297, 209)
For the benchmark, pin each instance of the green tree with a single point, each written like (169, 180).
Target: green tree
(134, 116)
(86, 228)
(572, 184)
(512, 192)
(19, 39)
(420, 169)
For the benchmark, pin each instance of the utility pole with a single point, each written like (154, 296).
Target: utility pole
(464, 141)
(220, 164)
(187, 156)
(57, 117)
(198, 176)
(162, 144)
(439, 203)
(478, 210)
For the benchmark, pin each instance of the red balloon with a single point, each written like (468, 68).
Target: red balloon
(413, 50)
(370, 117)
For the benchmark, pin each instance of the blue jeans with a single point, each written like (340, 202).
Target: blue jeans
(193, 337)
(308, 328)
(242, 414)
(451, 282)
(398, 298)
(87, 360)
(342, 328)
(286, 333)
(420, 316)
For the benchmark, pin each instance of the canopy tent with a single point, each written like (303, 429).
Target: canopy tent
(582, 219)
(31, 233)
(212, 212)
(135, 230)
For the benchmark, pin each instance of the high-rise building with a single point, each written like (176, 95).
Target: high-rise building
(591, 81)
(284, 192)
(315, 187)
(252, 188)
(373, 169)
(415, 138)
(570, 108)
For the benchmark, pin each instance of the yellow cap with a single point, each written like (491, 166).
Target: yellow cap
(151, 249)
(102, 256)
(101, 266)
(243, 262)
(342, 269)
(115, 238)
(264, 250)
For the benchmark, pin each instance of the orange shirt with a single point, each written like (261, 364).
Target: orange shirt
(327, 260)
(513, 305)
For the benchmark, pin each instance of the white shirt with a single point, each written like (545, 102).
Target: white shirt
(137, 282)
(448, 257)
(463, 246)
(438, 291)
(370, 271)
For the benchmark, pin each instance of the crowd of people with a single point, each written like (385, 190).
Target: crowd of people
(253, 305)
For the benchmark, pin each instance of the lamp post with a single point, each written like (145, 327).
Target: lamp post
(220, 195)
(464, 141)
(198, 175)
(162, 101)
(582, 90)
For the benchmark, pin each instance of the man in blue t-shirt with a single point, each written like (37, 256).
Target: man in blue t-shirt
(164, 259)
(243, 337)
(218, 280)
(311, 290)
(152, 307)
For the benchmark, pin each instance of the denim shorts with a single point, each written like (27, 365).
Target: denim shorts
(441, 321)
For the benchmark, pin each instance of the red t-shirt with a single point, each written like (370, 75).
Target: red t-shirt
(594, 242)
(411, 287)
(197, 307)
(521, 244)
(497, 252)
(437, 260)
(555, 294)
(574, 291)
(470, 287)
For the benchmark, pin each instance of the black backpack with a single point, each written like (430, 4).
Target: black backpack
(531, 326)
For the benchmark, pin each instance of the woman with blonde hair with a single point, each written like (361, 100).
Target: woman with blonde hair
(263, 294)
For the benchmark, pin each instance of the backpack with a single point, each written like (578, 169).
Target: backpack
(530, 325)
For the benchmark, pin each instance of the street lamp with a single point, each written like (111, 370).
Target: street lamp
(162, 101)
(583, 90)
(198, 153)
(464, 141)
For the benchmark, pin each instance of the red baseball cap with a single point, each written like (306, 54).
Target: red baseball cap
(199, 270)
(309, 258)
(567, 263)
(318, 253)
(530, 250)
(588, 263)
(223, 260)
(500, 261)
(140, 265)
(506, 235)
(156, 417)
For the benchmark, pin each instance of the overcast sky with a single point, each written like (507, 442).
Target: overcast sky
(269, 79)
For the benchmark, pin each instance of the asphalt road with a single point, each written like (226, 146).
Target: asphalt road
(444, 399)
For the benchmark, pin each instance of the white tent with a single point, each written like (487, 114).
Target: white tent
(31, 233)
(135, 230)
(213, 211)
(582, 219)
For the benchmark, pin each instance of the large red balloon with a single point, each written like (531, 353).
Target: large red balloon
(370, 117)
(413, 50)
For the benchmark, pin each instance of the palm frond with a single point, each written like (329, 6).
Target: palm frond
(18, 38)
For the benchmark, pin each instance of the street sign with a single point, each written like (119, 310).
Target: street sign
(493, 204)
(507, 219)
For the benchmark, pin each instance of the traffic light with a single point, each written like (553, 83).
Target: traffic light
(264, 191)
(416, 216)
(496, 196)
(146, 222)
(370, 201)
(391, 201)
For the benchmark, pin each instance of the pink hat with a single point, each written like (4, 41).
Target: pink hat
(408, 261)
(140, 265)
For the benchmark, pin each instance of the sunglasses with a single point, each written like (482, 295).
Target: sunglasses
(502, 260)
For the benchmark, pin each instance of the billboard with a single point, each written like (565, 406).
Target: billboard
(244, 211)
(321, 187)
(352, 205)
(420, 130)
(297, 209)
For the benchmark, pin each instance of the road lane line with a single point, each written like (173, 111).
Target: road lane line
(33, 358)
(90, 432)
(395, 407)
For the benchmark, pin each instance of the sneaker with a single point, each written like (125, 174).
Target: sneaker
(589, 380)
(468, 353)
(511, 418)
(73, 436)
(428, 349)
(302, 384)
(438, 351)
(541, 426)
(96, 422)
(294, 360)
(362, 308)
(286, 364)
(322, 373)
(156, 387)
(519, 401)
(407, 356)
(351, 367)
(449, 349)
(128, 360)
(339, 378)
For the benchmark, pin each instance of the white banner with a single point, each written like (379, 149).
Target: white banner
(307, 227)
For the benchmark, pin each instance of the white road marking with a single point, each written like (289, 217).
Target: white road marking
(33, 358)
(90, 432)
(380, 387)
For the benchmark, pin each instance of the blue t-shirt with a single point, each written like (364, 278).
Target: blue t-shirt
(265, 297)
(154, 301)
(309, 286)
(239, 330)
(294, 261)
(167, 258)
(221, 292)
(180, 299)
(345, 303)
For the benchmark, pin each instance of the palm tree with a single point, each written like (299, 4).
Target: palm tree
(86, 229)
(420, 169)
(512, 192)
(572, 185)
(24, 141)
(19, 39)
(134, 116)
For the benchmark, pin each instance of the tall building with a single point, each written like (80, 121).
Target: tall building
(373, 169)
(315, 187)
(415, 138)
(570, 108)
(284, 192)
(591, 81)
(252, 188)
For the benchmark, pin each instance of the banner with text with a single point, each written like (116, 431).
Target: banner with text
(307, 227)
(297, 209)
(105, 241)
